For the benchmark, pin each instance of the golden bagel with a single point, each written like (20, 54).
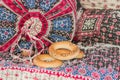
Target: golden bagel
(46, 61)
(64, 50)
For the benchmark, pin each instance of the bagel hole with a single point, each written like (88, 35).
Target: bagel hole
(63, 51)
(48, 60)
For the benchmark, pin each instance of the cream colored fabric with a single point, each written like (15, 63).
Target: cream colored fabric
(100, 4)
(35, 74)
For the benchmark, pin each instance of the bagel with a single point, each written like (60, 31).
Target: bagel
(46, 61)
(63, 50)
(81, 55)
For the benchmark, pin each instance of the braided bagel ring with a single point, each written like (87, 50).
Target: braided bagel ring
(64, 50)
(46, 61)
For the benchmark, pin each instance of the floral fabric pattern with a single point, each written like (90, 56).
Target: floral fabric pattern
(32, 25)
(100, 63)
(106, 28)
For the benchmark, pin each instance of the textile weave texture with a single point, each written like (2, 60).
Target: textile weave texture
(36, 22)
(33, 25)
(98, 26)
(100, 4)
(100, 63)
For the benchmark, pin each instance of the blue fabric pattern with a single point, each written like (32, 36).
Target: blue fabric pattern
(7, 15)
(46, 4)
(63, 24)
(30, 3)
(6, 34)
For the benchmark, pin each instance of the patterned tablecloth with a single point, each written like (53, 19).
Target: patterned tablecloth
(101, 63)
